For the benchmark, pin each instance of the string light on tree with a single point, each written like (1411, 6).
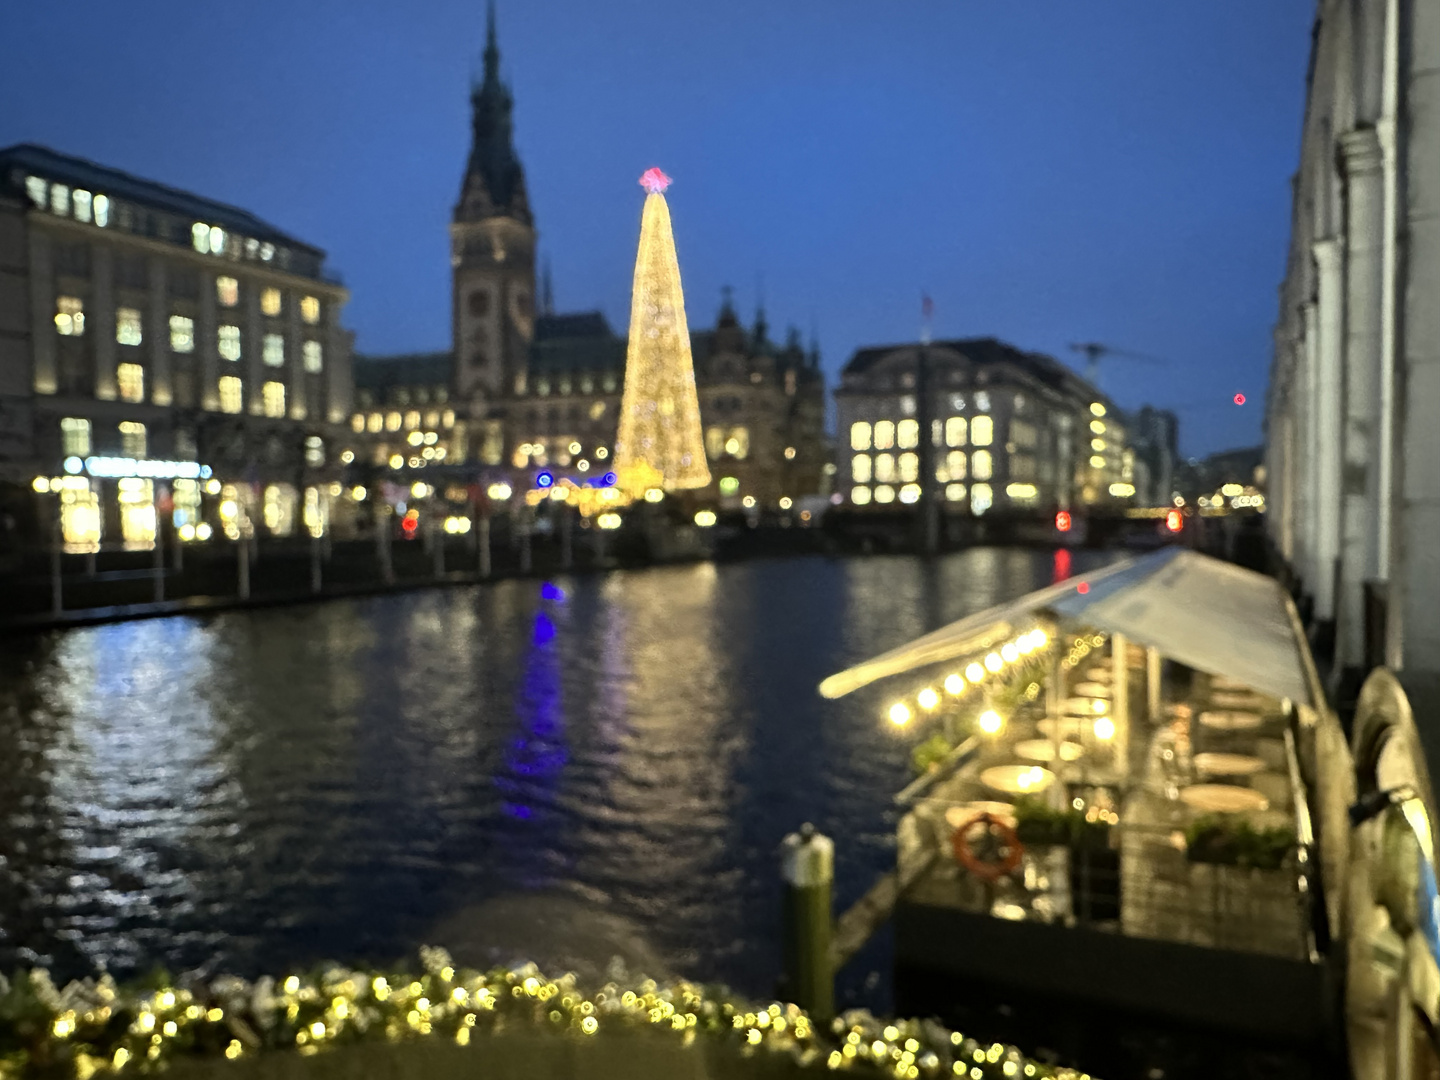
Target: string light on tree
(660, 445)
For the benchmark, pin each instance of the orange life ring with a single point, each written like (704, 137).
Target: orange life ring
(990, 871)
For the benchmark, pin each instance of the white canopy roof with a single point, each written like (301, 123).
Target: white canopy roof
(1207, 614)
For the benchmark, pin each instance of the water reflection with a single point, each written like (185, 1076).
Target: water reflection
(258, 790)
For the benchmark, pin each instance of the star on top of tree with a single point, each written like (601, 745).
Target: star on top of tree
(654, 181)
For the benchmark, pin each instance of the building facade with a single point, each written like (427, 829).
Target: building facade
(521, 390)
(162, 354)
(1010, 431)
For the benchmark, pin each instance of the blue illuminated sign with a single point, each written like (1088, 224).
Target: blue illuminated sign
(545, 480)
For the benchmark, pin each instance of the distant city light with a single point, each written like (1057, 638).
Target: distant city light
(1173, 520)
(899, 714)
(545, 480)
(990, 722)
(1062, 521)
(705, 518)
(608, 521)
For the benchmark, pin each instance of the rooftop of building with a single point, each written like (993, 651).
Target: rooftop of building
(403, 369)
(985, 352)
(22, 159)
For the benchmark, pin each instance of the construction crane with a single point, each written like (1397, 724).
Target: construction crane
(1093, 351)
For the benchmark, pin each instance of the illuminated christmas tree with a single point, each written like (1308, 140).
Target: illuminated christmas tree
(659, 445)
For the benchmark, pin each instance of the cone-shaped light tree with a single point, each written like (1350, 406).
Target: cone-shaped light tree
(659, 444)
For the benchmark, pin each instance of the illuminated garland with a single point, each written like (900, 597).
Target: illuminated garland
(94, 1028)
(997, 666)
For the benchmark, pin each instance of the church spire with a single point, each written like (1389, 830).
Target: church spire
(494, 183)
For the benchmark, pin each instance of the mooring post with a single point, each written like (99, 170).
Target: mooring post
(437, 549)
(242, 560)
(316, 554)
(565, 537)
(57, 543)
(482, 544)
(807, 867)
(524, 524)
(157, 571)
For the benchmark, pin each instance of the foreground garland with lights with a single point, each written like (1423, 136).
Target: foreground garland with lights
(96, 1028)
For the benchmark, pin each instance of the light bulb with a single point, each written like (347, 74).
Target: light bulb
(928, 698)
(990, 722)
(899, 714)
(955, 684)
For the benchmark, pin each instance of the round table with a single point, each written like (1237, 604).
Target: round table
(1017, 779)
(1086, 706)
(1216, 764)
(1232, 720)
(1044, 750)
(1223, 798)
(1099, 674)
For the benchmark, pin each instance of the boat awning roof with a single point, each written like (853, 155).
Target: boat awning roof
(1210, 615)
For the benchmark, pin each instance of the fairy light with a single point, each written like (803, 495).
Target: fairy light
(928, 698)
(659, 445)
(975, 673)
(990, 722)
(955, 685)
(993, 663)
(900, 714)
(1104, 729)
(1010, 652)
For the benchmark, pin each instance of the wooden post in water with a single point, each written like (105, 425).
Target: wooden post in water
(382, 541)
(242, 559)
(482, 544)
(1152, 684)
(566, 546)
(437, 548)
(315, 559)
(807, 867)
(57, 602)
(158, 569)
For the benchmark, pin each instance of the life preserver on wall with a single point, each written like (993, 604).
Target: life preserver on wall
(990, 871)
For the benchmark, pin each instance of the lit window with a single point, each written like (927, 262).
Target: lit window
(1097, 462)
(310, 309)
(729, 485)
(392, 421)
(270, 301)
(102, 211)
(412, 419)
(228, 338)
(955, 463)
(1021, 492)
(232, 394)
(860, 468)
(909, 468)
(132, 439)
(182, 333)
(200, 236)
(127, 326)
(714, 442)
(60, 200)
(82, 205)
(131, 380)
(980, 465)
(273, 398)
(447, 418)
(357, 423)
(313, 355)
(69, 316)
(1097, 426)
(982, 431)
(280, 509)
(432, 421)
(955, 431)
(860, 438)
(217, 239)
(884, 493)
(954, 492)
(907, 434)
(982, 404)
(1096, 409)
(36, 188)
(375, 423)
(273, 350)
(1097, 445)
(910, 493)
(227, 291)
(75, 436)
(981, 498)
(860, 496)
(884, 435)
(314, 450)
(885, 468)
(137, 510)
(80, 517)
(738, 443)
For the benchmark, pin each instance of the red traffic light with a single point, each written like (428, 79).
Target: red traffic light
(1062, 521)
(1173, 521)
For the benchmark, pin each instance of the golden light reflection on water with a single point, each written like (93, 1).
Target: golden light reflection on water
(264, 789)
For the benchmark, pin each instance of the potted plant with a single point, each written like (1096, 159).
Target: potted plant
(1226, 840)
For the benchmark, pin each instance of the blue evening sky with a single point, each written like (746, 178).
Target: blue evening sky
(1048, 171)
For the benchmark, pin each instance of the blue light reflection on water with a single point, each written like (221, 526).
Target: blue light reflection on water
(263, 789)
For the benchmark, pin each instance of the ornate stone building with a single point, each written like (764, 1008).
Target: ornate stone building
(162, 350)
(526, 392)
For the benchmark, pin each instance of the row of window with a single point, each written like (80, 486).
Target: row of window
(129, 330)
(587, 384)
(982, 496)
(955, 431)
(95, 208)
(394, 421)
(905, 468)
(227, 294)
(734, 442)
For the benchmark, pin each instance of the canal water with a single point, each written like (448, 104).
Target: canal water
(568, 770)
